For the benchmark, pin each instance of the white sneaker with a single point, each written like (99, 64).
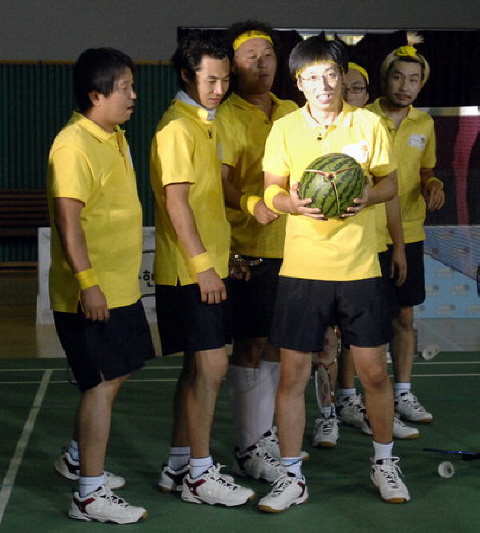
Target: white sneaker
(214, 488)
(269, 442)
(257, 463)
(400, 430)
(103, 505)
(385, 475)
(288, 490)
(409, 408)
(70, 469)
(171, 480)
(325, 433)
(350, 410)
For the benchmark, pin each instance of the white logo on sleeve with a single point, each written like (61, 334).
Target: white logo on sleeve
(358, 151)
(417, 141)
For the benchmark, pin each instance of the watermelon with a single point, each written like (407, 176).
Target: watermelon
(332, 182)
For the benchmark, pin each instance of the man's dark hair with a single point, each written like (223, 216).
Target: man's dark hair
(239, 28)
(316, 49)
(96, 70)
(193, 48)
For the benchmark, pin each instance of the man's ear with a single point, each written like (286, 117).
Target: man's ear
(95, 98)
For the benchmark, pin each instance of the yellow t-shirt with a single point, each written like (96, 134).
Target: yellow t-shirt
(243, 130)
(88, 164)
(336, 249)
(185, 150)
(413, 148)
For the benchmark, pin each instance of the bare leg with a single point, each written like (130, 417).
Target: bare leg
(94, 419)
(371, 364)
(295, 371)
(210, 368)
(180, 426)
(403, 346)
(346, 370)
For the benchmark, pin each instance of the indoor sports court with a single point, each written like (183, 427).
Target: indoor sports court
(37, 396)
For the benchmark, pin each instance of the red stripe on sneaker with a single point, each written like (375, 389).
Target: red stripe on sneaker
(192, 487)
(83, 505)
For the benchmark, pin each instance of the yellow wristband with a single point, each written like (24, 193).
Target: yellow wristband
(434, 179)
(86, 278)
(201, 262)
(248, 203)
(270, 192)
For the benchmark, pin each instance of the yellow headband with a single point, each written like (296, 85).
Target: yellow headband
(313, 63)
(406, 51)
(253, 34)
(358, 68)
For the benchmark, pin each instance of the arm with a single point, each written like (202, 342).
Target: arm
(432, 189)
(279, 200)
(67, 216)
(212, 288)
(394, 224)
(253, 205)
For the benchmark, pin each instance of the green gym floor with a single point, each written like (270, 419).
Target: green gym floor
(37, 407)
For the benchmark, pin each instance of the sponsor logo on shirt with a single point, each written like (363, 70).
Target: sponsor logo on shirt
(358, 151)
(417, 141)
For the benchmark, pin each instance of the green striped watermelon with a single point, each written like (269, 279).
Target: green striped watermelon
(332, 182)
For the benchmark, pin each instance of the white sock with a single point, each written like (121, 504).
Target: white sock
(293, 465)
(243, 393)
(73, 451)
(199, 466)
(268, 376)
(382, 451)
(400, 388)
(344, 393)
(179, 456)
(328, 411)
(89, 484)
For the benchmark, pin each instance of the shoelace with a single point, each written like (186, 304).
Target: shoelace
(327, 425)
(214, 473)
(113, 498)
(281, 483)
(412, 400)
(392, 472)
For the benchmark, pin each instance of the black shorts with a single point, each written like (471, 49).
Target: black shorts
(412, 292)
(305, 308)
(384, 259)
(186, 324)
(252, 301)
(101, 351)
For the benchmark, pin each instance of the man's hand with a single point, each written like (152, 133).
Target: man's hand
(360, 203)
(212, 288)
(398, 266)
(263, 214)
(94, 304)
(299, 207)
(434, 196)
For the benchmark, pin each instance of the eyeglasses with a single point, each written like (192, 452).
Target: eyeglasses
(330, 77)
(356, 89)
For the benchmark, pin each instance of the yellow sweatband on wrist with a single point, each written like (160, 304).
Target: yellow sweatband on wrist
(434, 179)
(270, 192)
(201, 262)
(86, 278)
(248, 203)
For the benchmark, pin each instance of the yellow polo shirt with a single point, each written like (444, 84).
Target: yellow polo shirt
(413, 148)
(185, 150)
(243, 130)
(88, 164)
(336, 249)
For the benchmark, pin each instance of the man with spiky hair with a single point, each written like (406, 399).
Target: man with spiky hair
(330, 272)
(403, 74)
(191, 265)
(258, 234)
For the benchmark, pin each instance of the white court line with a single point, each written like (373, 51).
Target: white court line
(9, 479)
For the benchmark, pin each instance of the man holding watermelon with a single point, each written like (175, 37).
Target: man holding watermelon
(403, 74)
(330, 273)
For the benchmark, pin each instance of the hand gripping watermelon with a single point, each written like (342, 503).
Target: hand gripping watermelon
(332, 182)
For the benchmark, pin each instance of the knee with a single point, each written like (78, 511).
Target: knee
(294, 377)
(375, 378)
